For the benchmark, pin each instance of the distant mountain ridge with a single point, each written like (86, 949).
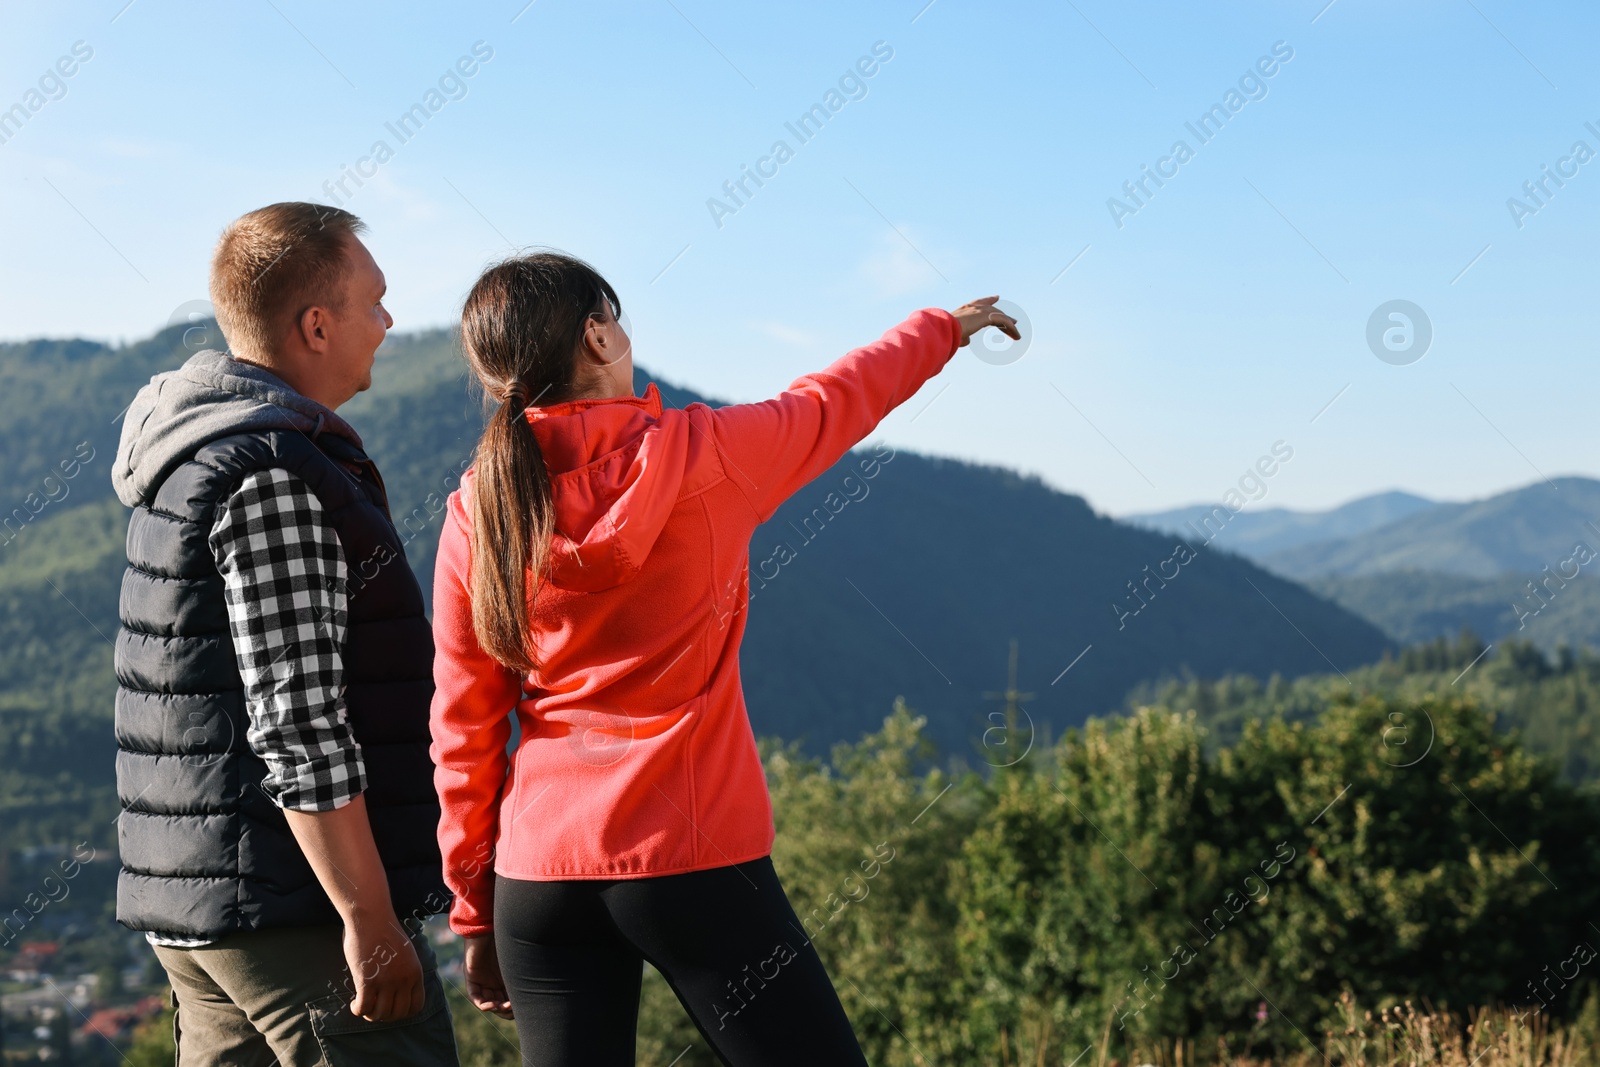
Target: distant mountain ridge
(1512, 564)
(1516, 532)
(1260, 534)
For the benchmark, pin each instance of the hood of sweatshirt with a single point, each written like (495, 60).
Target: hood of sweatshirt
(212, 395)
(618, 468)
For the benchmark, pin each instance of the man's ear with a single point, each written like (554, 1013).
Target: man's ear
(315, 326)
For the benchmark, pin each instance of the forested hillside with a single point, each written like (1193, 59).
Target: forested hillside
(1551, 702)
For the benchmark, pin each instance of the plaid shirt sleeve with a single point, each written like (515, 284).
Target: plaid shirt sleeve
(284, 580)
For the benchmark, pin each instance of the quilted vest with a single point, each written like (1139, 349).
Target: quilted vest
(204, 851)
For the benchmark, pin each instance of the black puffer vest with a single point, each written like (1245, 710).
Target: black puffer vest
(204, 851)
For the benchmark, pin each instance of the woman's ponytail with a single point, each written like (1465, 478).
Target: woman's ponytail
(521, 329)
(512, 519)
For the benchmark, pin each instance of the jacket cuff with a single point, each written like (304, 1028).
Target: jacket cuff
(952, 324)
(468, 921)
(470, 929)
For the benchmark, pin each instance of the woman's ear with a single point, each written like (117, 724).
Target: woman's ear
(603, 344)
(595, 346)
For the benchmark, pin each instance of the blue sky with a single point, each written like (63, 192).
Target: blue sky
(1227, 312)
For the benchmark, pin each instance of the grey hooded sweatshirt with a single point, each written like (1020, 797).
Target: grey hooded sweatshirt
(212, 395)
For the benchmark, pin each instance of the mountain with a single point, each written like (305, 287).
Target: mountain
(943, 561)
(1511, 565)
(892, 574)
(1259, 534)
(1514, 564)
(1418, 606)
(1516, 532)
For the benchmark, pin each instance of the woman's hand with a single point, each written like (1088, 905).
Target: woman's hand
(980, 313)
(485, 987)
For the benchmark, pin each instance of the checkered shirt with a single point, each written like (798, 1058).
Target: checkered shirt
(284, 580)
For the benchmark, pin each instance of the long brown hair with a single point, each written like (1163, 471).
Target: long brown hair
(521, 329)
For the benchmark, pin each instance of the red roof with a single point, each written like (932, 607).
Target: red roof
(116, 1022)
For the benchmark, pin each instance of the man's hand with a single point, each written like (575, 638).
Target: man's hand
(980, 313)
(485, 986)
(384, 965)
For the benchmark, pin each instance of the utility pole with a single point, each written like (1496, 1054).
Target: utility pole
(1003, 751)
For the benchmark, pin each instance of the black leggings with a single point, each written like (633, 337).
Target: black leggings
(726, 939)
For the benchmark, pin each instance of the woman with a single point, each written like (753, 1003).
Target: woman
(592, 574)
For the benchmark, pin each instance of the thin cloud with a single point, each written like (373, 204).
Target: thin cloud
(898, 263)
(780, 331)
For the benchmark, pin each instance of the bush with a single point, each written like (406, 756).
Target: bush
(1121, 886)
(152, 1044)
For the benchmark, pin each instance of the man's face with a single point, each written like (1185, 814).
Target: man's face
(361, 322)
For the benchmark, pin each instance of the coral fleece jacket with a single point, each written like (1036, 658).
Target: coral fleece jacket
(636, 756)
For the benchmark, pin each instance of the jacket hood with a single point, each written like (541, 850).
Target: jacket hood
(617, 468)
(212, 395)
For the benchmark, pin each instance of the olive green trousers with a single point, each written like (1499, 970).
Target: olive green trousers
(282, 997)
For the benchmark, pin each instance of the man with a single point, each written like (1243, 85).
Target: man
(274, 669)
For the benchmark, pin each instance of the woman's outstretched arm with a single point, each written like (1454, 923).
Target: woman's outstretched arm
(773, 448)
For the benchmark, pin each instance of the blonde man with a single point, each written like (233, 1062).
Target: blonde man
(274, 675)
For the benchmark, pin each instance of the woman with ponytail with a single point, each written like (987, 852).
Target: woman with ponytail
(592, 581)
